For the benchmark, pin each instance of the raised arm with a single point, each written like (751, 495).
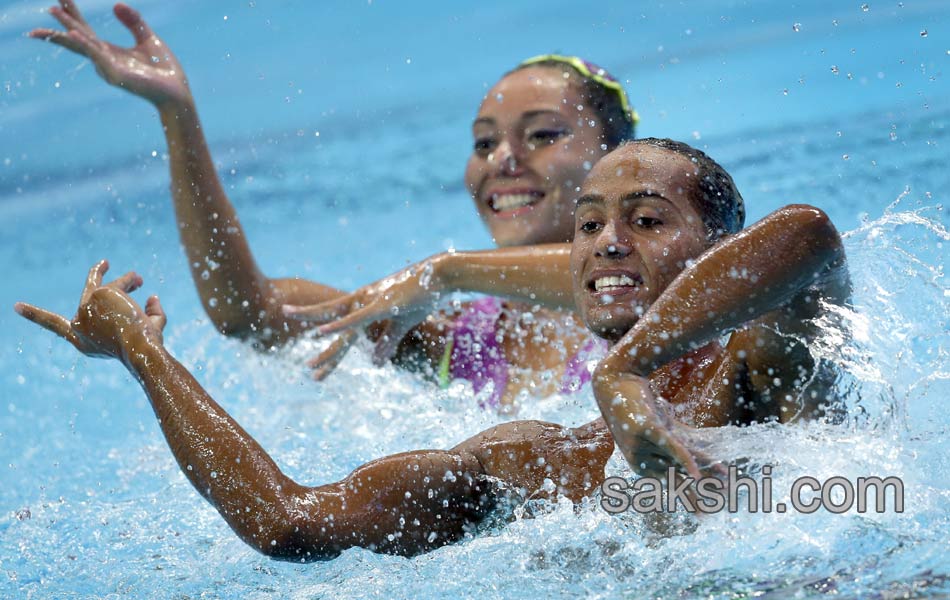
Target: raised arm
(404, 504)
(238, 297)
(776, 274)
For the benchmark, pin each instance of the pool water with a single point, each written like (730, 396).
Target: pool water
(340, 131)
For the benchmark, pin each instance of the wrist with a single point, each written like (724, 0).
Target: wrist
(140, 350)
(445, 271)
(175, 108)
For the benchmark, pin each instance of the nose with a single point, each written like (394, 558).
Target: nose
(508, 158)
(610, 244)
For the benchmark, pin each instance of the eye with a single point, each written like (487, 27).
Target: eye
(541, 137)
(590, 226)
(648, 222)
(484, 145)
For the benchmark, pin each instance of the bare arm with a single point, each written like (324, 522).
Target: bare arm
(238, 297)
(538, 274)
(410, 299)
(404, 504)
(776, 272)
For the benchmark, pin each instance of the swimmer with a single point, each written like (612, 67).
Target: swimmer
(659, 268)
(530, 154)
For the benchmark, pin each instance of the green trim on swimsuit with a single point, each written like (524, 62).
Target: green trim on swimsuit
(445, 363)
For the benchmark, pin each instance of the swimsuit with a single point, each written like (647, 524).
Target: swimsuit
(474, 353)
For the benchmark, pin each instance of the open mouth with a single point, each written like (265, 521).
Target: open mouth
(506, 202)
(613, 284)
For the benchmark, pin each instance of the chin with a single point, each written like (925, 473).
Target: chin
(610, 327)
(515, 238)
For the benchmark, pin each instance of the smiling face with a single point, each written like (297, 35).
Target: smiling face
(636, 228)
(531, 146)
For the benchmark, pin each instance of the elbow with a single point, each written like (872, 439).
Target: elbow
(288, 542)
(230, 325)
(811, 224)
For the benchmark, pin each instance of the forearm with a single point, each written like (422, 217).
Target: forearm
(539, 274)
(234, 291)
(740, 279)
(221, 460)
(402, 504)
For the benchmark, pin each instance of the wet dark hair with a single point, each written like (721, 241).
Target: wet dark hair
(715, 197)
(616, 124)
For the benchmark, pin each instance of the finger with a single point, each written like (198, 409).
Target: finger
(134, 22)
(683, 456)
(93, 280)
(129, 282)
(358, 318)
(322, 312)
(155, 312)
(333, 355)
(65, 19)
(51, 321)
(388, 342)
(75, 43)
(72, 10)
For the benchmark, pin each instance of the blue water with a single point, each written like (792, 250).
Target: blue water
(91, 502)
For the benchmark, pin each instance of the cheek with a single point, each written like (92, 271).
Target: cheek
(473, 173)
(567, 167)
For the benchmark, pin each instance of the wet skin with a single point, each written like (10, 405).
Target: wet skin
(415, 501)
(636, 223)
(531, 144)
(534, 142)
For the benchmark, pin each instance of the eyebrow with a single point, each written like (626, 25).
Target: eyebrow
(598, 199)
(588, 199)
(645, 194)
(524, 117)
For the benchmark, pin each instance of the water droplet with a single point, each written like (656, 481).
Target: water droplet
(796, 27)
(205, 275)
(845, 156)
(893, 136)
(834, 69)
(499, 97)
(785, 92)
(865, 7)
(923, 33)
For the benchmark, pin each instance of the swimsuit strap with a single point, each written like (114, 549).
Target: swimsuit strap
(577, 373)
(473, 351)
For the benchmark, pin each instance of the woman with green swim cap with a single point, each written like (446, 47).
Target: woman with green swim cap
(530, 154)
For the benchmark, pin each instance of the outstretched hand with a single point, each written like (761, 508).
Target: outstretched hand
(108, 322)
(147, 69)
(398, 303)
(648, 437)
